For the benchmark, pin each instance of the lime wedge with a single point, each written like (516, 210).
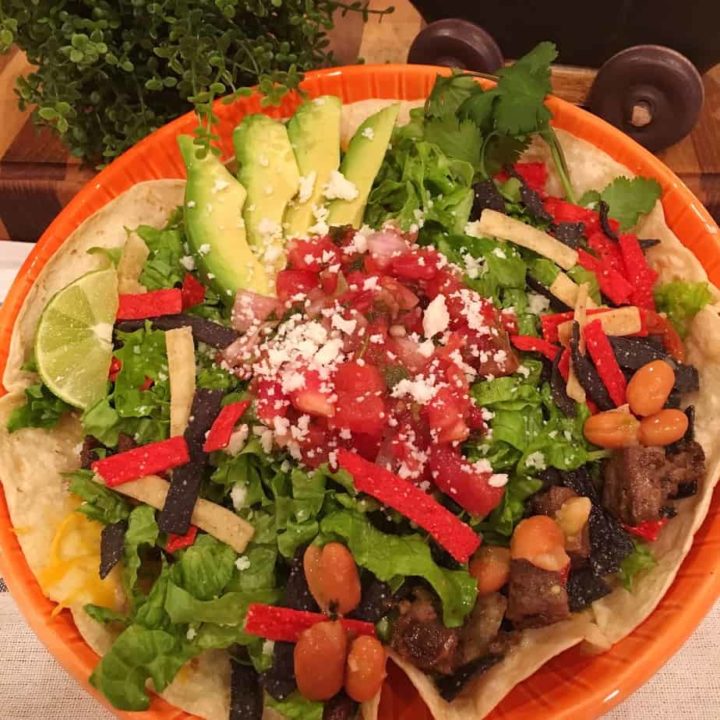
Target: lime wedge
(73, 345)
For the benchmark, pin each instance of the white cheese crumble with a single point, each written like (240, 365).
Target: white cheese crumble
(320, 213)
(339, 187)
(536, 460)
(219, 185)
(436, 317)
(537, 303)
(188, 262)
(368, 133)
(242, 563)
(204, 249)
(238, 495)
(306, 186)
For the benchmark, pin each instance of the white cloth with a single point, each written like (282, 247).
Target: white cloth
(34, 686)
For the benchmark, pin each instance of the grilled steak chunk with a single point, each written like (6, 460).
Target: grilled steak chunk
(420, 637)
(633, 489)
(536, 597)
(482, 627)
(685, 467)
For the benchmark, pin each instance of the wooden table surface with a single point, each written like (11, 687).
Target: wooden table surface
(37, 178)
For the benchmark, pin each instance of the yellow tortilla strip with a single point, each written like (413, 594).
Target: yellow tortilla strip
(181, 372)
(214, 519)
(616, 322)
(504, 227)
(132, 260)
(566, 290)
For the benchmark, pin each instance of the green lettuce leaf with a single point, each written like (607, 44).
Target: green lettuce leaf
(390, 556)
(296, 707)
(41, 409)
(163, 268)
(682, 301)
(205, 568)
(100, 503)
(142, 530)
(639, 560)
(137, 655)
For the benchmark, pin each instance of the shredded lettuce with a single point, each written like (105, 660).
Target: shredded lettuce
(419, 184)
(142, 531)
(638, 561)
(529, 434)
(99, 502)
(41, 409)
(296, 707)
(137, 655)
(681, 301)
(163, 268)
(390, 557)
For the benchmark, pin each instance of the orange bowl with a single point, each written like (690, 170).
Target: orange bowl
(570, 686)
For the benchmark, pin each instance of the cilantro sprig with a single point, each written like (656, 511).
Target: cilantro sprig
(627, 199)
(491, 128)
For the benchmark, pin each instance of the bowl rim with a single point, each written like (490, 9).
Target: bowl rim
(685, 215)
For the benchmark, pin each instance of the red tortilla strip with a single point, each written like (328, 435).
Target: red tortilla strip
(605, 362)
(286, 625)
(642, 277)
(529, 343)
(612, 284)
(219, 434)
(150, 459)
(459, 539)
(150, 304)
(648, 530)
(180, 542)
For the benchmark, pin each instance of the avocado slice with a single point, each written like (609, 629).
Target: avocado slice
(314, 132)
(214, 201)
(270, 174)
(361, 163)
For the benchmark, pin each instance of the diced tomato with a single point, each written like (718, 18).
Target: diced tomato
(474, 418)
(648, 530)
(313, 255)
(406, 299)
(360, 412)
(444, 414)
(408, 353)
(417, 265)
(358, 377)
(455, 476)
(444, 283)
(294, 282)
(115, 368)
(314, 445)
(313, 397)
(329, 281)
(412, 320)
(365, 445)
(193, 291)
(270, 401)
(147, 384)
(508, 320)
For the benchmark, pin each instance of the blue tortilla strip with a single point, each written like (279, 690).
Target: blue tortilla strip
(376, 600)
(556, 305)
(279, 680)
(206, 331)
(246, 695)
(610, 544)
(587, 374)
(584, 587)
(112, 545)
(530, 199)
(603, 210)
(486, 196)
(186, 480)
(569, 233)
